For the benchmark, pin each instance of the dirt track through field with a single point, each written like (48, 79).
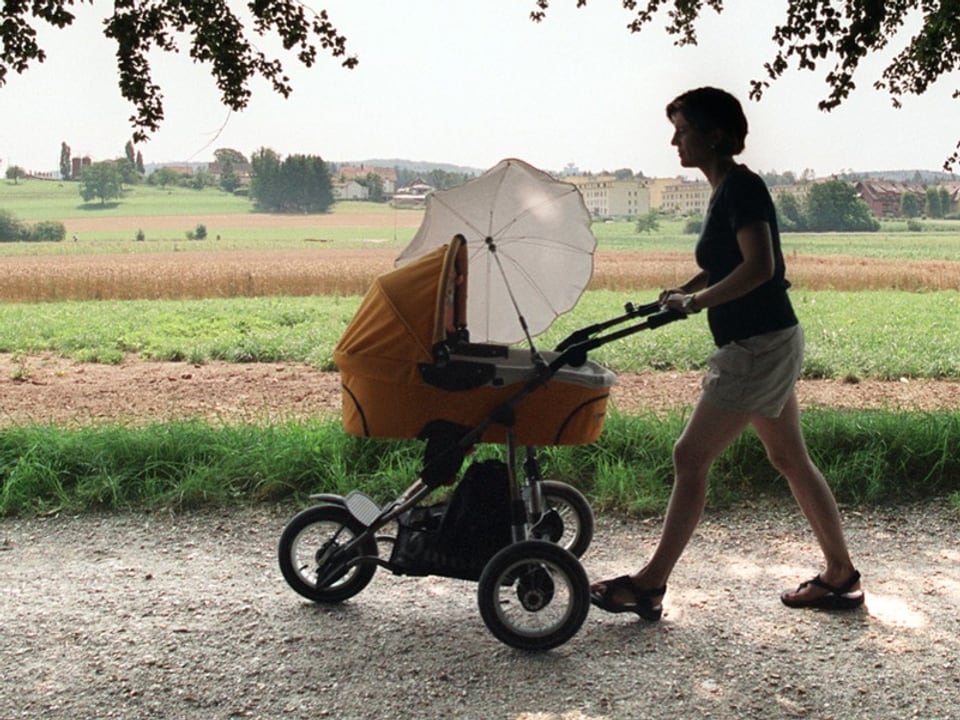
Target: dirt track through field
(48, 389)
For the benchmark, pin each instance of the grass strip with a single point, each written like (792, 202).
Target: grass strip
(869, 457)
(882, 335)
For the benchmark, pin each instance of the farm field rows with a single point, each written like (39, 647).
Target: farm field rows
(327, 270)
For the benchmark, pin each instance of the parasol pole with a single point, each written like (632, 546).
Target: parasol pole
(492, 247)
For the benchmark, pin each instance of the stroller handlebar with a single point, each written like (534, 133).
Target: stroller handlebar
(643, 310)
(585, 339)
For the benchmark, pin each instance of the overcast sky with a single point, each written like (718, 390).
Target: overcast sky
(470, 83)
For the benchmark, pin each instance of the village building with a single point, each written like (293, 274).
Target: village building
(349, 190)
(411, 196)
(686, 197)
(607, 197)
(883, 197)
(346, 173)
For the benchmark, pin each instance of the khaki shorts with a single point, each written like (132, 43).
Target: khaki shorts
(756, 375)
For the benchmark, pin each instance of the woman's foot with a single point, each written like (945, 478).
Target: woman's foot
(817, 593)
(622, 594)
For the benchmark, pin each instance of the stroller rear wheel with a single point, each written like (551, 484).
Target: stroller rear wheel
(312, 557)
(567, 519)
(534, 595)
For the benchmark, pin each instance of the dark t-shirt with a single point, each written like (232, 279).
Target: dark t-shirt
(739, 200)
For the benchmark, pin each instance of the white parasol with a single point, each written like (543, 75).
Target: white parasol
(529, 244)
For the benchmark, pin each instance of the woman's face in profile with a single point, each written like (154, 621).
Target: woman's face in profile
(693, 146)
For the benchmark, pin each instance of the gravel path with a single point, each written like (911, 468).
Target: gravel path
(157, 616)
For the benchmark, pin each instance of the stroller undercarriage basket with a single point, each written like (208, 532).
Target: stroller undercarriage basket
(457, 538)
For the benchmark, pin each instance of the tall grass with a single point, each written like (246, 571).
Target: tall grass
(869, 458)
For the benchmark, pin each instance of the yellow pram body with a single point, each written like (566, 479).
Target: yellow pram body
(399, 343)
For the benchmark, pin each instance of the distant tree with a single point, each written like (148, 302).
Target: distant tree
(141, 170)
(200, 179)
(790, 212)
(374, 185)
(229, 178)
(934, 207)
(66, 165)
(946, 201)
(229, 160)
(648, 222)
(910, 205)
(299, 183)
(101, 181)
(11, 229)
(46, 231)
(443, 179)
(127, 170)
(15, 172)
(229, 155)
(834, 206)
(774, 178)
(163, 176)
(623, 174)
(265, 188)
(129, 153)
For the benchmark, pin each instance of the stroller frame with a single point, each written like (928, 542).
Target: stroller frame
(533, 572)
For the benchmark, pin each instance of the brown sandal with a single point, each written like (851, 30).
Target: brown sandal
(840, 597)
(646, 603)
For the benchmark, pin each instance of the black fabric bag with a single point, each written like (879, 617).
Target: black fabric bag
(458, 538)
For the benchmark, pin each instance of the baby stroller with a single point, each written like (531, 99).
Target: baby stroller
(410, 370)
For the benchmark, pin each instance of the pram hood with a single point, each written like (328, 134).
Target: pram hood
(403, 315)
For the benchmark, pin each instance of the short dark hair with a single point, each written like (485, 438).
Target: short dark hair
(709, 108)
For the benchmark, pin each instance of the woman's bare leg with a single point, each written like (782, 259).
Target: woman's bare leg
(708, 433)
(783, 439)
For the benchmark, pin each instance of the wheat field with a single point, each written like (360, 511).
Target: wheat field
(331, 271)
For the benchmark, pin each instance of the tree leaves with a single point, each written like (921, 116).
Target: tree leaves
(217, 37)
(841, 32)
(844, 33)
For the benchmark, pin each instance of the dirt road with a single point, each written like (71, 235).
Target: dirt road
(156, 616)
(49, 389)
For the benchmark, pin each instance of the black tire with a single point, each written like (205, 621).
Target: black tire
(306, 536)
(534, 595)
(574, 531)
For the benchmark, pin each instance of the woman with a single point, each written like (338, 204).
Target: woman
(752, 375)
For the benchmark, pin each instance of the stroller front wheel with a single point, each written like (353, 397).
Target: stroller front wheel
(312, 547)
(534, 595)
